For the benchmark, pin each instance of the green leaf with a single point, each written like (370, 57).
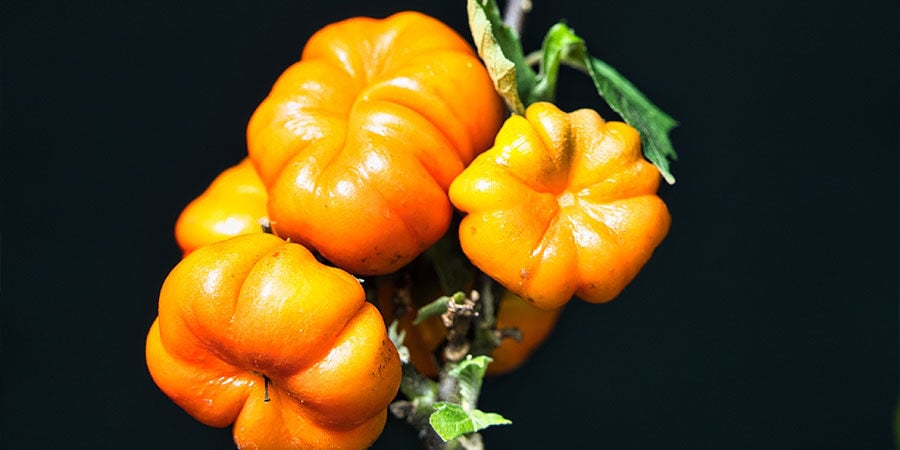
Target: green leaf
(432, 309)
(558, 44)
(437, 307)
(639, 112)
(451, 421)
(562, 45)
(500, 49)
(397, 337)
(469, 373)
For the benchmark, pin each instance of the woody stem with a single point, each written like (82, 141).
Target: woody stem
(514, 14)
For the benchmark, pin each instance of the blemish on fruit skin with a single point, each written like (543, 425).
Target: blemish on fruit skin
(396, 257)
(386, 357)
(524, 274)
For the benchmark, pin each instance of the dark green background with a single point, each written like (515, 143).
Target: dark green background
(767, 318)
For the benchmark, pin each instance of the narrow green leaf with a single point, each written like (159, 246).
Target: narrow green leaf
(432, 309)
(500, 49)
(559, 42)
(482, 420)
(469, 373)
(397, 337)
(451, 421)
(562, 45)
(639, 112)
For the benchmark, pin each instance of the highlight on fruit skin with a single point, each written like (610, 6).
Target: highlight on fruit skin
(233, 204)
(358, 142)
(563, 204)
(255, 332)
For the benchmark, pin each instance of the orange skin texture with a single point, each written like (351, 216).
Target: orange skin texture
(233, 204)
(358, 142)
(564, 204)
(233, 312)
(423, 339)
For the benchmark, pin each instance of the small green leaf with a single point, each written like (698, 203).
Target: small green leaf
(559, 42)
(500, 49)
(562, 45)
(434, 308)
(482, 420)
(639, 112)
(451, 421)
(470, 372)
(397, 337)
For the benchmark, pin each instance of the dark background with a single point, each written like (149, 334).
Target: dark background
(767, 318)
